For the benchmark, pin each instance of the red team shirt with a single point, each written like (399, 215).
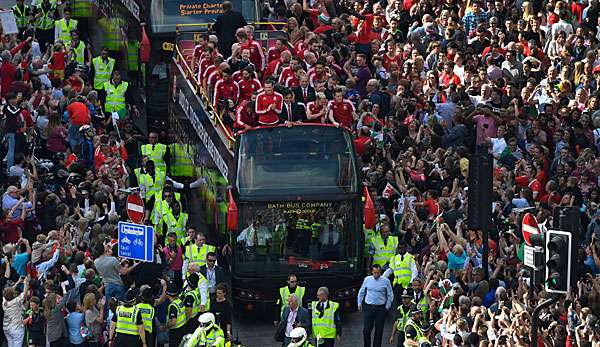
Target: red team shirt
(225, 90)
(248, 87)
(342, 112)
(263, 100)
(314, 108)
(257, 56)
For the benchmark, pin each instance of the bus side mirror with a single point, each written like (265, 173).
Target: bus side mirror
(369, 210)
(232, 213)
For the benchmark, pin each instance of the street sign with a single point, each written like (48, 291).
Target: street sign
(528, 256)
(136, 241)
(529, 226)
(534, 259)
(135, 208)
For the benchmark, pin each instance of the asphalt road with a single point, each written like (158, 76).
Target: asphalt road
(257, 331)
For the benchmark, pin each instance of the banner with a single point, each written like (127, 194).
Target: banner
(167, 14)
(184, 100)
(9, 23)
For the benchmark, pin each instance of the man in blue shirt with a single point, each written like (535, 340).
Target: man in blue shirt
(376, 297)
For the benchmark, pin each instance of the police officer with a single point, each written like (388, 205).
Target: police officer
(194, 302)
(404, 311)
(45, 14)
(284, 292)
(79, 52)
(404, 268)
(176, 221)
(326, 324)
(64, 26)
(182, 159)
(196, 252)
(413, 330)
(420, 299)
(150, 180)
(299, 338)
(127, 326)
(156, 151)
(117, 96)
(23, 17)
(207, 334)
(384, 246)
(176, 317)
(146, 309)
(101, 69)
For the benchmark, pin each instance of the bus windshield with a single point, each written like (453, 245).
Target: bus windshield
(296, 236)
(304, 159)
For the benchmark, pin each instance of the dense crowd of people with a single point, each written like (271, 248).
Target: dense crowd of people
(72, 152)
(423, 85)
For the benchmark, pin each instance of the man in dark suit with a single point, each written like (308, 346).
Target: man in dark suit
(293, 316)
(292, 111)
(225, 27)
(213, 273)
(305, 93)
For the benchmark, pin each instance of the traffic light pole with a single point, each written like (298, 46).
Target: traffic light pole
(535, 318)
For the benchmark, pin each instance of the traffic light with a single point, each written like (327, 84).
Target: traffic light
(558, 261)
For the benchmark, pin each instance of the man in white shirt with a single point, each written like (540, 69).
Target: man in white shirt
(254, 235)
(562, 25)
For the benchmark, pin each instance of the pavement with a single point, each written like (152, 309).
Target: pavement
(258, 332)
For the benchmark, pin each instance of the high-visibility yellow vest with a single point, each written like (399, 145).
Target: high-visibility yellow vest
(147, 313)
(194, 293)
(64, 33)
(284, 294)
(214, 338)
(113, 39)
(401, 265)
(383, 252)
(161, 208)
(152, 186)
(102, 71)
(126, 320)
(82, 8)
(45, 22)
(22, 16)
(182, 159)
(197, 255)
(181, 318)
(177, 225)
(133, 52)
(422, 305)
(324, 327)
(115, 96)
(79, 51)
(369, 238)
(156, 155)
(420, 338)
(403, 317)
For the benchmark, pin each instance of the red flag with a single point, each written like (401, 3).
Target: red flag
(388, 191)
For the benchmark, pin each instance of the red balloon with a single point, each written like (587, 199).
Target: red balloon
(232, 214)
(369, 210)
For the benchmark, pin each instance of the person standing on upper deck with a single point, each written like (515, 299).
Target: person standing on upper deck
(226, 26)
(269, 104)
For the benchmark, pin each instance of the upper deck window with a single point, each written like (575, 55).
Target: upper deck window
(297, 160)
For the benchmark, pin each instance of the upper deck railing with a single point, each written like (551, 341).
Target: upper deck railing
(189, 96)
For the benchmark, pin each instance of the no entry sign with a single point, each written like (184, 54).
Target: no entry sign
(530, 227)
(135, 208)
